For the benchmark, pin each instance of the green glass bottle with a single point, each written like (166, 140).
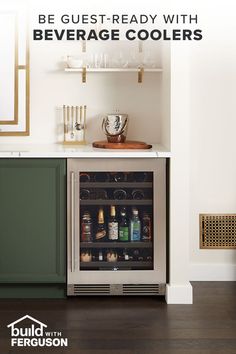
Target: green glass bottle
(123, 227)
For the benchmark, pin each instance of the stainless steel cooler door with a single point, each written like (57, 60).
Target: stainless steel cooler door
(155, 165)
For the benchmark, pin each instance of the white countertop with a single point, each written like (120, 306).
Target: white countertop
(80, 151)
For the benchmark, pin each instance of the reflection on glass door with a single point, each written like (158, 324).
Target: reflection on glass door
(116, 221)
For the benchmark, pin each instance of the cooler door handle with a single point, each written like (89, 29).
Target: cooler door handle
(72, 220)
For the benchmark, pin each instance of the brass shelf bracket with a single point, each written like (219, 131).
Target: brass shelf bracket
(140, 75)
(84, 74)
(84, 47)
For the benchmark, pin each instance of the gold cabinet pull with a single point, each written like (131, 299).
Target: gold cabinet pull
(72, 221)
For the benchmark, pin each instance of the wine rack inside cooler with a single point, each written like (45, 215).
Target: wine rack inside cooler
(103, 193)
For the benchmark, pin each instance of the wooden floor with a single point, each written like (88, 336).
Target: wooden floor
(134, 325)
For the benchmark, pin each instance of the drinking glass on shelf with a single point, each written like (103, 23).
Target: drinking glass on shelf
(135, 59)
(148, 60)
(121, 61)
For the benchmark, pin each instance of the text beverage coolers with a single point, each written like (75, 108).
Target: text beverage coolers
(116, 226)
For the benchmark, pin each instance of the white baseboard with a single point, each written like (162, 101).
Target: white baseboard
(179, 294)
(212, 272)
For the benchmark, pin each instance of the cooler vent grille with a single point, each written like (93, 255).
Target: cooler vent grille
(116, 289)
(218, 231)
(143, 289)
(92, 289)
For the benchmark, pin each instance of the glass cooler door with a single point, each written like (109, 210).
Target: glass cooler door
(116, 220)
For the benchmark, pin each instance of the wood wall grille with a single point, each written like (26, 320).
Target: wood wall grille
(218, 231)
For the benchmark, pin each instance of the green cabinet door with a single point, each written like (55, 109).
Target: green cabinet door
(32, 220)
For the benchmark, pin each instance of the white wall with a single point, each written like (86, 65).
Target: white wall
(212, 80)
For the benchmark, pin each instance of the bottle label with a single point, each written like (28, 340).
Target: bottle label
(124, 233)
(86, 233)
(146, 236)
(135, 235)
(113, 230)
(126, 257)
(100, 234)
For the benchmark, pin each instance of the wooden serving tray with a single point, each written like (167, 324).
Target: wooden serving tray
(128, 144)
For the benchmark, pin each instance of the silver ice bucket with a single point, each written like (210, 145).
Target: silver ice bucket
(115, 127)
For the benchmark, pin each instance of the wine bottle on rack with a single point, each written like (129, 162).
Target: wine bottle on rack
(119, 194)
(130, 176)
(101, 232)
(84, 177)
(84, 194)
(101, 177)
(101, 194)
(113, 225)
(117, 177)
(138, 194)
(140, 176)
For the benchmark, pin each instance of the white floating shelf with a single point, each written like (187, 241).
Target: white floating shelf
(111, 70)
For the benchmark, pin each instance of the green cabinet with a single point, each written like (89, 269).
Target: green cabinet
(32, 221)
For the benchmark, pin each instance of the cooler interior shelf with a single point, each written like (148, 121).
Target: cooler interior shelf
(116, 184)
(123, 265)
(116, 245)
(116, 202)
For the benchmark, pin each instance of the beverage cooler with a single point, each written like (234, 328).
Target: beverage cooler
(116, 226)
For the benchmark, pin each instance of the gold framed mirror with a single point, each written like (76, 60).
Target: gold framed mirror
(14, 73)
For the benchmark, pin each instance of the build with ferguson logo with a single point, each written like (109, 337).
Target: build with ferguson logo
(31, 333)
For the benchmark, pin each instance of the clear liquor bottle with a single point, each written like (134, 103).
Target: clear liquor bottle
(135, 226)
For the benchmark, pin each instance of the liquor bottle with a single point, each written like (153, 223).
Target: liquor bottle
(86, 256)
(126, 255)
(119, 194)
(113, 225)
(138, 194)
(146, 228)
(100, 256)
(123, 227)
(101, 232)
(136, 254)
(135, 226)
(112, 256)
(86, 228)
